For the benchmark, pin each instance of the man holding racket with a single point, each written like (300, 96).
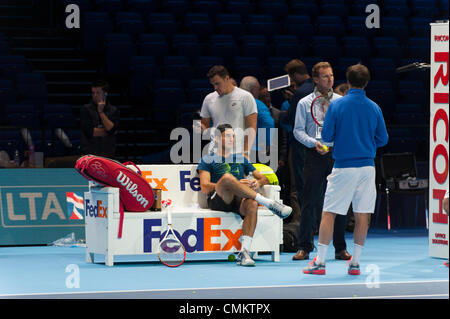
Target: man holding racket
(309, 117)
(222, 178)
(356, 126)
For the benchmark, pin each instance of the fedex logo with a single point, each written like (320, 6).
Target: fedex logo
(96, 210)
(160, 183)
(185, 178)
(155, 182)
(203, 234)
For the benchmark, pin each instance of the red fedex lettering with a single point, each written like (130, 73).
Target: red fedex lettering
(233, 239)
(439, 217)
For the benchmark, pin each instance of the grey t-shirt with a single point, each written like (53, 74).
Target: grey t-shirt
(231, 108)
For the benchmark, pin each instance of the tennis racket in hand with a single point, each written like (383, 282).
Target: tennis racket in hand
(171, 251)
(319, 108)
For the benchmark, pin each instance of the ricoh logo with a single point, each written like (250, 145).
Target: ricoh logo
(97, 211)
(132, 188)
(441, 38)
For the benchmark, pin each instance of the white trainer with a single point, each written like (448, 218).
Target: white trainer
(281, 210)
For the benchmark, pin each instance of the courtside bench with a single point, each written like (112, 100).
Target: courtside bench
(201, 230)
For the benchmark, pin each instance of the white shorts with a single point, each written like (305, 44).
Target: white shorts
(354, 185)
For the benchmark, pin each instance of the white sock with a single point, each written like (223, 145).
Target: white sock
(246, 243)
(357, 250)
(263, 200)
(321, 253)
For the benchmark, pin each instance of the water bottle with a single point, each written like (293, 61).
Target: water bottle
(16, 158)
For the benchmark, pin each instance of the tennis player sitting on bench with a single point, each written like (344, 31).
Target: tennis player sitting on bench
(222, 178)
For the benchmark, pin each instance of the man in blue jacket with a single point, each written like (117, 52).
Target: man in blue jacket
(356, 126)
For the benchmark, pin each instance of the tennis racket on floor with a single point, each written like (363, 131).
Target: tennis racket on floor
(171, 251)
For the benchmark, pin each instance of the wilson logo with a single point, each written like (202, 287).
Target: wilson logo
(132, 188)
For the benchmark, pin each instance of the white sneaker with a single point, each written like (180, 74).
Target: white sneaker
(244, 259)
(281, 210)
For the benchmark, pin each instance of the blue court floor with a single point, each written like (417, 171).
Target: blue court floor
(395, 264)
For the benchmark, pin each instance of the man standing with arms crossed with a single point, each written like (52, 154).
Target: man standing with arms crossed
(356, 126)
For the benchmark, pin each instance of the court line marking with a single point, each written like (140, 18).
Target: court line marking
(216, 288)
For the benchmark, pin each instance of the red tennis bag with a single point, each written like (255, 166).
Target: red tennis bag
(136, 194)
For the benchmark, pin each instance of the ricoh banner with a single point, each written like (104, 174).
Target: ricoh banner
(439, 135)
(39, 206)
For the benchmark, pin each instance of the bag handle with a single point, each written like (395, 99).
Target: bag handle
(132, 164)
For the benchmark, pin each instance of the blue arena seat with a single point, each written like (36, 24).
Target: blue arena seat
(327, 48)
(95, 26)
(200, 24)
(230, 23)
(258, 24)
(31, 88)
(419, 26)
(241, 7)
(177, 67)
(277, 9)
(197, 90)
(7, 95)
(341, 68)
(22, 115)
(396, 8)
(223, 45)
(210, 7)
(176, 7)
(419, 48)
(130, 22)
(110, 6)
(387, 47)
(356, 26)
(119, 47)
(394, 27)
(330, 25)
(255, 45)
(335, 7)
(143, 71)
(142, 6)
(153, 44)
(162, 22)
(294, 23)
(204, 63)
(356, 46)
(167, 95)
(288, 45)
(187, 45)
(11, 65)
(309, 8)
(382, 69)
(251, 65)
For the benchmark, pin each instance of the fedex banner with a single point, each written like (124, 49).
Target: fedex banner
(439, 134)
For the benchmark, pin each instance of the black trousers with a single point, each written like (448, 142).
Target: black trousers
(298, 159)
(315, 171)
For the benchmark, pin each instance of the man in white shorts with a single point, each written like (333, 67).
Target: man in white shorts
(356, 126)
(229, 104)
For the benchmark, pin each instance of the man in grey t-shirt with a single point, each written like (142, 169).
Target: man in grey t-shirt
(230, 104)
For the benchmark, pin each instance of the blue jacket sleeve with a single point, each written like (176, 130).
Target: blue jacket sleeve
(329, 125)
(381, 135)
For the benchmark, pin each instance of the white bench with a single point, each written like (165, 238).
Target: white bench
(201, 230)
